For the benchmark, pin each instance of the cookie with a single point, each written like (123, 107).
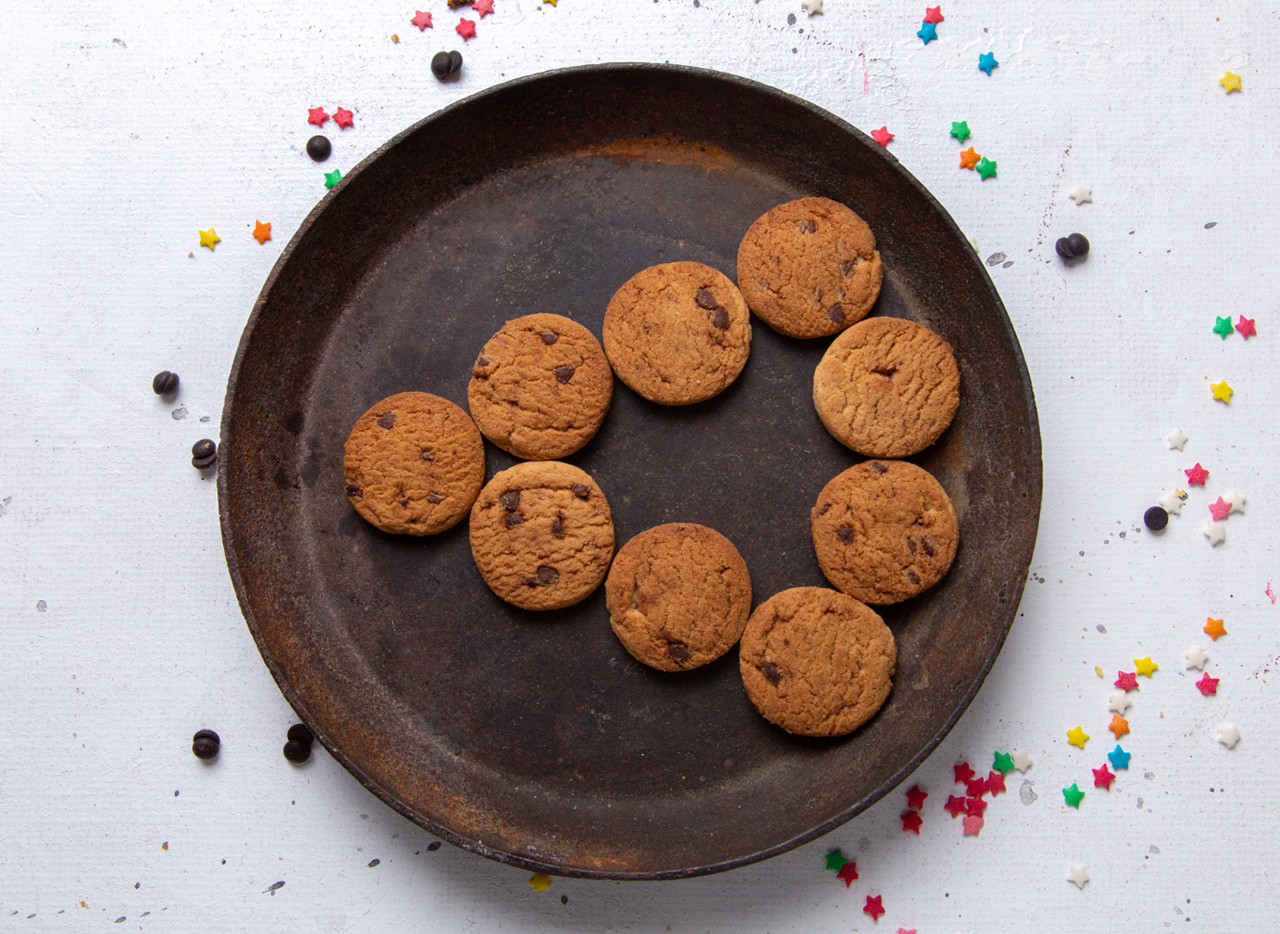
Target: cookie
(678, 333)
(413, 464)
(678, 596)
(540, 387)
(809, 268)
(817, 662)
(887, 387)
(542, 535)
(884, 531)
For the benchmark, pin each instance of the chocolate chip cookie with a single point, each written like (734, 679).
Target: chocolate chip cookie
(884, 531)
(540, 387)
(887, 387)
(542, 535)
(413, 464)
(678, 333)
(817, 662)
(678, 596)
(809, 268)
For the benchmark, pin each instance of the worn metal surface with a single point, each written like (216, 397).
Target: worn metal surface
(534, 738)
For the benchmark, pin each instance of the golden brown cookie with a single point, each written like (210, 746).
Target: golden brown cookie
(817, 662)
(540, 387)
(678, 596)
(413, 464)
(542, 535)
(809, 268)
(887, 387)
(884, 531)
(678, 333)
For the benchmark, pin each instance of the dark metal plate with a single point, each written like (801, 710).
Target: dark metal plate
(535, 739)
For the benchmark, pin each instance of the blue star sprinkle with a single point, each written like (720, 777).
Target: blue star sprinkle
(1119, 758)
(987, 62)
(928, 32)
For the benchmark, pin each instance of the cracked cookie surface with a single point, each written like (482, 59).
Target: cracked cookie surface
(887, 387)
(541, 387)
(884, 531)
(809, 268)
(817, 662)
(542, 535)
(678, 596)
(678, 333)
(413, 464)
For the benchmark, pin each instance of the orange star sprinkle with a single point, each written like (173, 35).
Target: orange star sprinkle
(261, 231)
(1119, 726)
(969, 158)
(1213, 628)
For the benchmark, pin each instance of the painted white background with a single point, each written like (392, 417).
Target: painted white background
(124, 128)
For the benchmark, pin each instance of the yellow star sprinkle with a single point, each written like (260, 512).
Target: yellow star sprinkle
(1230, 82)
(1221, 391)
(1077, 737)
(552, 2)
(540, 881)
(209, 238)
(1145, 666)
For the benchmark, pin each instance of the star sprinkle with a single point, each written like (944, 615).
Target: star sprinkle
(1197, 475)
(848, 873)
(873, 907)
(1146, 667)
(483, 7)
(975, 807)
(332, 178)
(812, 7)
(1021, 760)
(1077, 737)
(1220, 510)
(1216, 532)
(906, 931)
(1119, 726)
(466, 28)
(933, 14)
(1231, 82)
(987, 62)
(954, 806)
(1127, 680)
(964, 772)
(343, 118)
(261, 231)
(969, 158)
(1081, 194)
(1221, 391)
(915, 797)
(882, 136)
(1078, 874)
(1246, 328)
(209, 238)
(1177, 440)
(1222, 326)
(1002, 763)
(1208, 685)
(1073, 795)
(1118, 701)
(552, 2)
(1214, 628)
(911, 822)
(986, 168)
(317, 116)
(960, 130)
(1237, 501)
(835, 860)
(976, 787)
(928, 32)
(972, 825)
(540, 881)
(1119, 758)
(1103, 777)
(1196, 657)
(995, 783)
(1173, 500)
(1228, 735)
(422, 20)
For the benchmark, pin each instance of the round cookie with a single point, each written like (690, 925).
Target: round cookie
(817, 662)
(884, 531)
(678, 333)
(542, 535)
(809, 268)
(678, 596)
(413, 464)
(540, 387)
(887, 387)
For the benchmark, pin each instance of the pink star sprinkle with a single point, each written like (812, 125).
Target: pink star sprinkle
(1220, 510)
(466, 28)
(915, 797)
(421, 20)
(882, 136)
(1208, 685)
(933, 14)
(972, 825)
(343, 118)
(483, 7)
(1103, 777)
(906, 931)
(954, 806)
(1246, 328)
(873, 907)
(963, 771)
(1197, 475)
(1127, 681)
(995, 783)
(317, 116)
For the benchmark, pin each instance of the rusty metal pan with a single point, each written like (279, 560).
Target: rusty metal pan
(534, 738)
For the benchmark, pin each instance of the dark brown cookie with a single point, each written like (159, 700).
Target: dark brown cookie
(540, 387)
(884, 531)
(413, 464)
(809, 268)
(817, 662)
(887, 387)
(542, 535)
(678, 596)
(678, 333)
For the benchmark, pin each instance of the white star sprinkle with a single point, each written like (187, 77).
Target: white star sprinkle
(1078, 874)
(1216, 532)
(1172, 501)
(1021, 760)
(1196, 657)
(812, 6)
(1119, 702)
(1081, 194)
(1177, 439)
(1228, 735)
(1237, 501)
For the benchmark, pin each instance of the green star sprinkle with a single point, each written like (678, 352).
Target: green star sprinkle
(835, 860)
(1073, 795)
(960, 130)
(1003, 763)
(986, 168)
(332, 178)
(1223, 327)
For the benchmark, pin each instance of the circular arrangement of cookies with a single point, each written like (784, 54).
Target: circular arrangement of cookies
(814, 661)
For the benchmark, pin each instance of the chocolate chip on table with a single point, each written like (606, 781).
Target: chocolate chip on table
(440, 64)
(297, 752)
(165, 383)
(706, 300)
(1072, 247)
(771, 672)
(547, 574)
(836, 314)
(549, 337)
(720, 319)
(319, 148)
(580, 491)
(845, 534)
(205, 744)
(204, 453)
(510, 500)
(455, 62)
(387, 421)
(1155, 518)
(564, 373)
(301, 733)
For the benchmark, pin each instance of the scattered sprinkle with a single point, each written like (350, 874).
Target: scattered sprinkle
(928, 32)
(1146, 667)
(1021, 760)
(261, 231)
(1119, 758)
(1002, 762)
(317, 116)
(848, 873)
(1220, 510)
(1097, 670)
(1073, 795)
(1081, 194)
(1237, 500)
(972, 825)
(1231, 82)
(911, 822)
(1173, 500)
(1222, 327)
(915, 797)
(986, 168)
(1215, 532)
(1214, 628)
(1246, 328)
(540, 881)
(466, 28)
(1127, 680)
(209, 238)
(873, 906)
(1270, 593)
(969, 158)
(395, 37)
(332, 178)
(1077, 737)
(1078, 874)
(342, 117)
(1221, 391)
(1118, 725)
(954, 806)
(963, 771)
(975, 807)
(1103, 777)
(1177, 440)
(1197, 475)
(882, 136)
(987, 62)
(995, 783)
(1208, 685)
(422, 20)
(1228, 735)
(1118, 701)
(552, 2)
(835, 860)
(482, 7)
(933, 14)
(976, 787)
(960, 129)
(812, 7)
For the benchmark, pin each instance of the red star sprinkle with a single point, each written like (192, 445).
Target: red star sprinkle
(933, 14)
(1196, 475)
(466, 28)
(915, 797)
(317, 116)
(995, 783)
(1220, 510)
(972, 825)
(976, 787)
(1103, 777)
(873, 907)
(954, 806)
(343, 118)
(882, 136)
(1246, 328)
(911, 822)
(1208, 685)
(976, 807)
(848, 872)
(1128, 680)
(483, 7)
(963, 771)
(421, 20)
